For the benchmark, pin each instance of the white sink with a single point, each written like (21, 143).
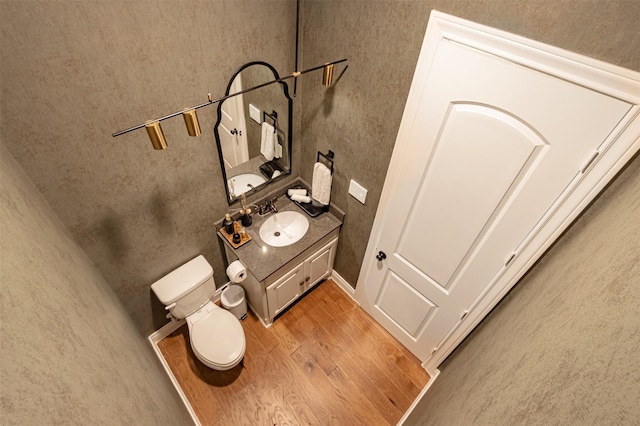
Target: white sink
(284, 228)
(240, 184)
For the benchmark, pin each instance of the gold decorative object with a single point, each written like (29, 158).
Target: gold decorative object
(327, 75)
(191, 121)
(155, 134)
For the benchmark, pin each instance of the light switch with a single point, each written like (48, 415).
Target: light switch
(357, 191)
(255, 114)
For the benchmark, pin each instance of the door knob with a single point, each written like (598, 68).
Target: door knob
(236, 132)
(381, 256)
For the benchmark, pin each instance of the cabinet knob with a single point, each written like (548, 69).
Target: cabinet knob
(301, 283)
(307, 279)
(381, 256)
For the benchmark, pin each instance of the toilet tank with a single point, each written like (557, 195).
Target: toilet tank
(189, 287)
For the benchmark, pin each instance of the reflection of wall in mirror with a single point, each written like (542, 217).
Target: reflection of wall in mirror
(269, 98)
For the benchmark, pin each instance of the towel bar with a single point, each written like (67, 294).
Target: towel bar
(273, 116)
(328, 157)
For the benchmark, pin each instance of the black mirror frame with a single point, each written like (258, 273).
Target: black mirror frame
(285, 90)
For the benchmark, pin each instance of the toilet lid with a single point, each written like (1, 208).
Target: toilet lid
(218, 337)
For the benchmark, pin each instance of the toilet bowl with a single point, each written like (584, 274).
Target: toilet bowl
(216, 335)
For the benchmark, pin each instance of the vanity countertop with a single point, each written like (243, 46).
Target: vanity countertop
(263, 260)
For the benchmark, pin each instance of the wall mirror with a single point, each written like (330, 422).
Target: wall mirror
(252, 154)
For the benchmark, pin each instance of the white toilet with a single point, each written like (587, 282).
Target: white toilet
(216, 335)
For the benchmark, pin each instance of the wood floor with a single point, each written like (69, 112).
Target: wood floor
(324, 361)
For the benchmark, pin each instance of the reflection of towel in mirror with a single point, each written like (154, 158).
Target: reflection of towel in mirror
(321, 183)
(267, 142)
(278, 153)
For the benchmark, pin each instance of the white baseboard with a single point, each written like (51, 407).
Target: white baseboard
(154, 338)
(432, 378)
(351, 292)
(344, 285)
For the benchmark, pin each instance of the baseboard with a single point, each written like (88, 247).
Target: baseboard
(156, 337)
(351, 292)
(432, 378)
(344, 285)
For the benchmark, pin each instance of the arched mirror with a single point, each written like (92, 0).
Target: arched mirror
(253, 154)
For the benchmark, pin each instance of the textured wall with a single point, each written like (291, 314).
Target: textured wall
(562, 347)
(69, 353)
(74, 72)
(359, 117)
(71, 73)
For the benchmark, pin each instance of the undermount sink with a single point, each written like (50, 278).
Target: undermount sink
(240, 184)
(284, 228)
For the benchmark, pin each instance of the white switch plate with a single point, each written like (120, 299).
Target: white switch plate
(255, 114)
(357, 191)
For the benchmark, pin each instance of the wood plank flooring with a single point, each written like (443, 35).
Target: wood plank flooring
(323, 362)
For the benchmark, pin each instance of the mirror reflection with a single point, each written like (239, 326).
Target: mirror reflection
(253, 131)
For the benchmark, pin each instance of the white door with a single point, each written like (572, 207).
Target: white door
(489, 152)
(233, 137)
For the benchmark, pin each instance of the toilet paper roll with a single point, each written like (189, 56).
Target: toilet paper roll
(236, 272)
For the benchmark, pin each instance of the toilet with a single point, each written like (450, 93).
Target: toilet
(216, 335)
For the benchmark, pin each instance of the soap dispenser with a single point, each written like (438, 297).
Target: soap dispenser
(246, 218)
(228, 224)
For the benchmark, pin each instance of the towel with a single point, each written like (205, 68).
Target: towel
(267, 144)
(295, 191)
(301, 198)
(276, 174)
(321, 184)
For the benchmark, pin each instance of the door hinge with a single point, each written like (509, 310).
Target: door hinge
(513, 255)
(591, 160)
(464, 314)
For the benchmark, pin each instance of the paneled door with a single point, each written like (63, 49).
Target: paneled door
(485, 155)
(233, 135)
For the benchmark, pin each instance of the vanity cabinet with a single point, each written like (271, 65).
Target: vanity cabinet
(278, 276)
(287, 289)
(272, 295)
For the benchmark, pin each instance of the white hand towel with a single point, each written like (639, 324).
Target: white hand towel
(301, 198)
(321, 184)
(293, 191)
(267, 147)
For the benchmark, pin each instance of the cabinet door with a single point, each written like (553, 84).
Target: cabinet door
(285, 291)
(319, 265)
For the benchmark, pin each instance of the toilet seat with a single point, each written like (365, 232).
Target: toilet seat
(217, 337)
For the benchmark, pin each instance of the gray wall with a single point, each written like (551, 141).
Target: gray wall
(562, 347)
(70, 353)
(359, 117)
(71, 73)
(74, 72)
